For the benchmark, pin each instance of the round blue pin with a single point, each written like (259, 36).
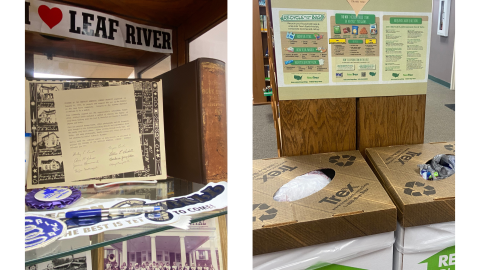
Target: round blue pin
(41, 231)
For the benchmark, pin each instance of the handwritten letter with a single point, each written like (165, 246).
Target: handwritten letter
(99, 131)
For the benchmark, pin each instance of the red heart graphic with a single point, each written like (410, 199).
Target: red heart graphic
(50, 16)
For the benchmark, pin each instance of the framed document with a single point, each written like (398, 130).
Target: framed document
(48, 155)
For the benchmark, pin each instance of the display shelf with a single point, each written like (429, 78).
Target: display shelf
(162, 189)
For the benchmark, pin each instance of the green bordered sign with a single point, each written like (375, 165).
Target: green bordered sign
(443, 260)
(396, 20)
(302, 17)
(341, 18)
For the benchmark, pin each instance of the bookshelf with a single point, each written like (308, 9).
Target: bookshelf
(273, 77)
(260, 61)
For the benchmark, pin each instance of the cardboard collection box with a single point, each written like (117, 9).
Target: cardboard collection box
(353, 205)
(423, 206)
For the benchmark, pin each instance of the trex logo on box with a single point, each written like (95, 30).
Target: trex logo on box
(407, 156)
(342, 193)
(277, 172)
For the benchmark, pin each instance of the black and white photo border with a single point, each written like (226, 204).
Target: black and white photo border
(147, 98)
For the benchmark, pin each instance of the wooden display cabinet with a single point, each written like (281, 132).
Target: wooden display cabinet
(188, 20)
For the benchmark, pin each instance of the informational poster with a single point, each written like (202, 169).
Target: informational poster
(355, 47)
(405, 47)
(304, 47)
(46, 166)
(324, 50)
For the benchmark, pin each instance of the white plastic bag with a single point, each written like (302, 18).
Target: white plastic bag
(325, 254)
(302, 186)
(425, 238)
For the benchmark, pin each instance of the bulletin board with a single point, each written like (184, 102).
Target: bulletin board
(323, 50)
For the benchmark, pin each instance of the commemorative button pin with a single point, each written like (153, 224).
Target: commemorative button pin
(41, 231)
(53, 194)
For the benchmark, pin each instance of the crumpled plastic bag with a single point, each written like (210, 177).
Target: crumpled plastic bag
(440, 167)
(302, 186)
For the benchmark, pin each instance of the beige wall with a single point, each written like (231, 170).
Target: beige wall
(212, 44)
(78, 68)
(441, 48)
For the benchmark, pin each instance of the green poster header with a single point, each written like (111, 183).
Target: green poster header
(396, 20)
(355, 41)
(341, 18)
(305, 62)
(302, 17)
(304, 36)
(305, 49)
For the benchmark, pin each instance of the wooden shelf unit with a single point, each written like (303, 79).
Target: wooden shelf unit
(260, 61)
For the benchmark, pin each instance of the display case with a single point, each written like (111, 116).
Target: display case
(157, 190)
(187, 20)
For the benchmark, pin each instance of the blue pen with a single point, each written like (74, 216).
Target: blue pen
(81, 222)
(113, 211)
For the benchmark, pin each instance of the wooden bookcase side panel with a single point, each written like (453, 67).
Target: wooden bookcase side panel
(258, 58)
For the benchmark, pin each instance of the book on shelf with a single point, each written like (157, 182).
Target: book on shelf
(265, 22)
(194, 97)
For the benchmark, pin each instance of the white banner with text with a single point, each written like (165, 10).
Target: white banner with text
(84, 24)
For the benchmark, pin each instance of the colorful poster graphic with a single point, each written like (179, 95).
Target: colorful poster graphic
(355, 47)
(332, 53)
(304, 46)
(405, 47)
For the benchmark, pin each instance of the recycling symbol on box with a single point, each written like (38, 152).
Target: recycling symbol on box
(343, 161)
(418, 189)
(266, 213)
(450, 147)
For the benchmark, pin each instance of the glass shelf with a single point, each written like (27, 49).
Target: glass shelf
(158, 190)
